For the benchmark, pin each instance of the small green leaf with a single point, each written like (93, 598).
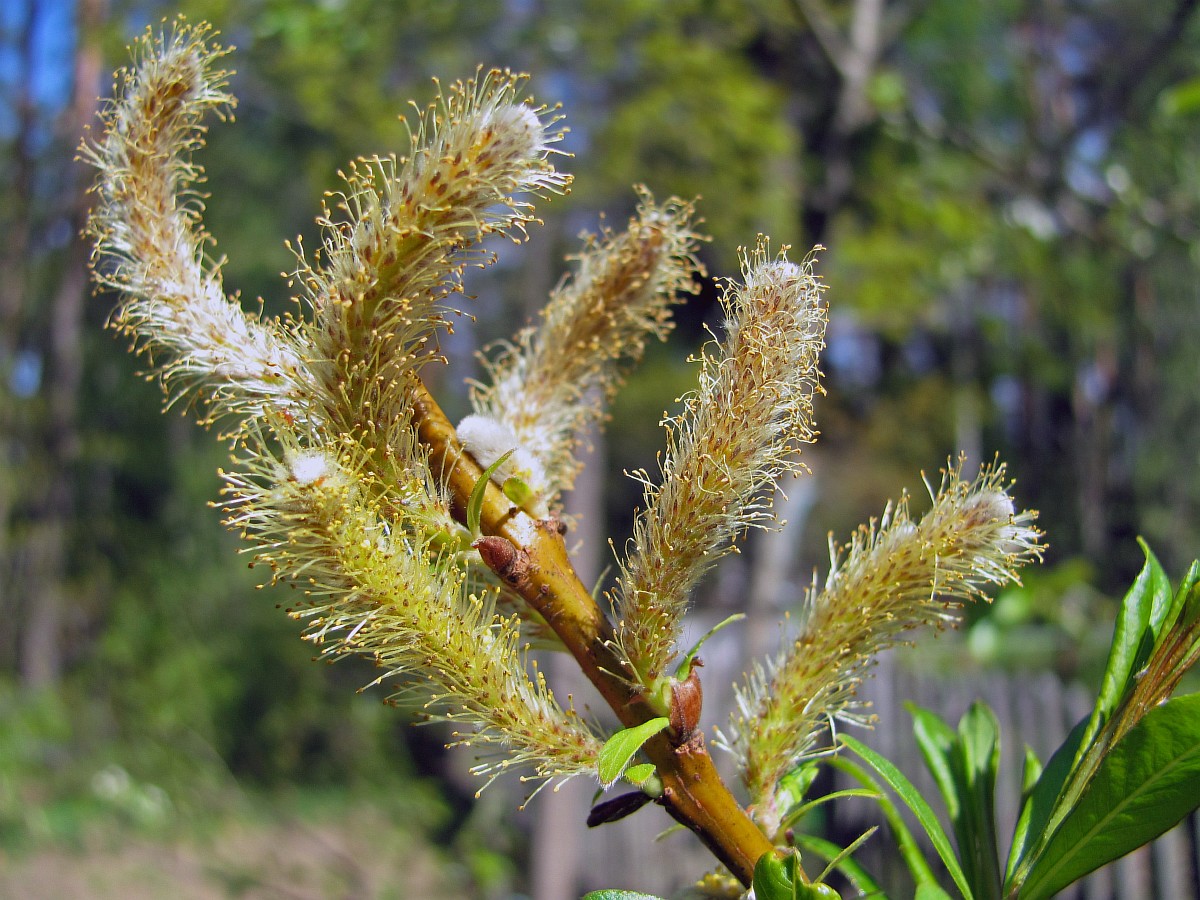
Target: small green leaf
(517, 491)
(639, 773)
(796, 813)
(685, 667)
(609, 894)
(1040, 807)
(1145, 785)
(847, 852)
(848, 866)
(921, 809)
(775, 876)
(620, 748)
(475, 503)
(910, 850)
(974, 758)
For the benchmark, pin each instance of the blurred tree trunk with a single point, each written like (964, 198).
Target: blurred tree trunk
(48, 440)
(15, 254)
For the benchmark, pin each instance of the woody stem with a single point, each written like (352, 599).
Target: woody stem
(693, 793)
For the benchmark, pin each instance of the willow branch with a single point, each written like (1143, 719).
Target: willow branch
(542, 573)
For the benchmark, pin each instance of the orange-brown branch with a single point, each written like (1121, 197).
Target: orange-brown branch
(694, 793)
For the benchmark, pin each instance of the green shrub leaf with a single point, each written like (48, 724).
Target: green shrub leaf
(619, 749)
(921, 809)
(475, 503)
(1146, 784)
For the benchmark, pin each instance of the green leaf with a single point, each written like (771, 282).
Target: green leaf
(848, 866)
(685, 667)
(796, 813)
(774, 877)
(475, 503)
(517, 491)
(609, 894)
(793, 787)
(1145, 785)
(1141, 617)
(930, 890)
(1040, 806)
(1031, 771)
(910, 850)
(620, 748)
(1146, 607)
(639, 773)
(964, 766)
(914, 801)
(847, 852)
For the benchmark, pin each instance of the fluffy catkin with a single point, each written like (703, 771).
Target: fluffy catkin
(893, 576)
(405, 230)
(554, 380)
(379, 587)
(736, 437)
(150, 244)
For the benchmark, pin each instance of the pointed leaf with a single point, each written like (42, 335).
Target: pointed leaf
(1031, 771)
(1039, 807)
(685, 667)
(1142, 612)
(910, 850)
(977, 759)
(963, 765)
(858, 877)
(914, 801)
(1145, 785)
(475, 503)
(619, 749)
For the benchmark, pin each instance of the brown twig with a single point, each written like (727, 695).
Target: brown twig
(693, 792)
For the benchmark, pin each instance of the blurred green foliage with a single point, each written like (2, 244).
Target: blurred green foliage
(1012, 262)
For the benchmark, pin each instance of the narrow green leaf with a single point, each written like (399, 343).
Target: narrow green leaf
(828, 851)
(685, 667)
(796, 813)
(905, 790)
(1039, 807)
(977, 758)
(910, 850)
(1142, 612)
(609, 894)
(475, 503)
(1031, 771)
(620, 748)
(1145, 785)
(930, 890)
(847, 852)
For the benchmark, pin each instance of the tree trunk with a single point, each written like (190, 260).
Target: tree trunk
(55, 444)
